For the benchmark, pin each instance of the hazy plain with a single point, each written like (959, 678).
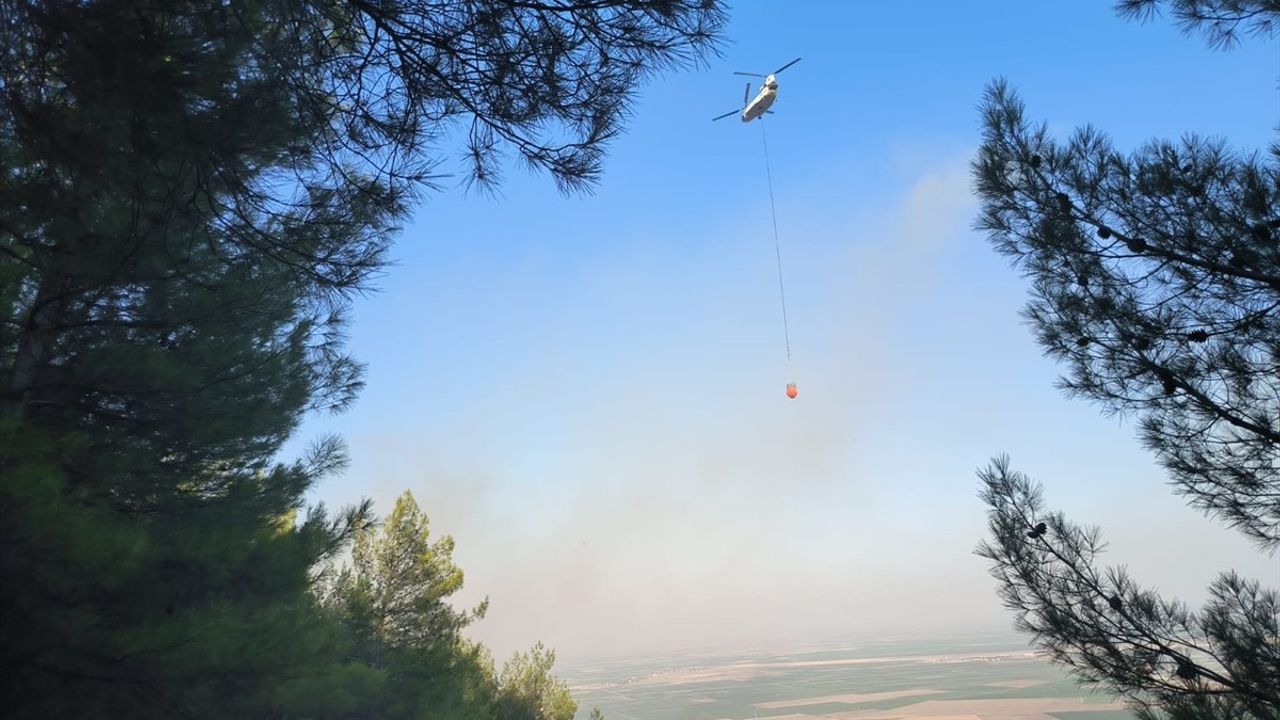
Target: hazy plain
(975, 678)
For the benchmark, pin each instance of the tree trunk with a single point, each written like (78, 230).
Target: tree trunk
(36, 342)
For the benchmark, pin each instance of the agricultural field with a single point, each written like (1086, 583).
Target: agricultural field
(899, 680)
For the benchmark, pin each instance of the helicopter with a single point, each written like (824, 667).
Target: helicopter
(757, 107)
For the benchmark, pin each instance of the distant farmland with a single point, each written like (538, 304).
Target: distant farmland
(881, 681)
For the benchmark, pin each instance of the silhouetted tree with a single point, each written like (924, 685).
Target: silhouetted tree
(163, 328)
(1221, 21)
(191, 194)
(1156, 279)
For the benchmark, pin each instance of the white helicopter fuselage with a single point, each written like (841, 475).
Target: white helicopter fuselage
(755, 108)
(762, 101)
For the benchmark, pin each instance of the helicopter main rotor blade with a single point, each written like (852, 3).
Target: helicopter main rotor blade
(746, 94)
(748, 74)
(784, 67)
(721, 117)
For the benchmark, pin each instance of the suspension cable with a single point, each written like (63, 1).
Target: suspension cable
(777, 244)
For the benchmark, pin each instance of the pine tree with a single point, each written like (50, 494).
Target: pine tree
(192, 193)
(393, 603)
(160, 339)
(528, 691)
(403, 581)
(1155, 280)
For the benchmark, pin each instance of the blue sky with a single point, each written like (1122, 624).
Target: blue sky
(587, 392)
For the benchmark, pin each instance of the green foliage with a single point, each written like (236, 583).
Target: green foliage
(161, 339)
(395, 594)
(198, 612)
(400, 582)
(1154, 279)
(392, 603)
(528, 691)
(192, 193)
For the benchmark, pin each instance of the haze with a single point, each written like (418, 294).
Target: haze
(587, 393)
